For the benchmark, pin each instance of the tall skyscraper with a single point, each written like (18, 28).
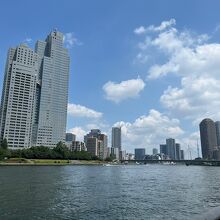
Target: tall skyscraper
(116, 137)
(181, 154)
(19, 97)
(35, 94)
(171, 148)
(217, 127)
(54, 76)
(178, 151)
(208, 138)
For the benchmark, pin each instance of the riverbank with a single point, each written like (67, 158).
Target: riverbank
(47, 162)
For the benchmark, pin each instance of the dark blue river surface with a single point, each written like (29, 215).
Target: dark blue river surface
(98, 192)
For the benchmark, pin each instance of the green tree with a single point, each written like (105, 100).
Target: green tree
(62, 151)
(4, 144)
(109, 159)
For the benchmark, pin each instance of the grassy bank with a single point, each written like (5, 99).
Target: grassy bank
(23, 161)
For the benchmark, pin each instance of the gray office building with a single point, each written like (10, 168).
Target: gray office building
(163, 149)
(70, 137)
(208, 138)
(35, 94)
(116, 137)
(19, 97)
(178, 151)
(182, 155)
(139, 153)
(171, 148)
(217, 127)
(53, 81)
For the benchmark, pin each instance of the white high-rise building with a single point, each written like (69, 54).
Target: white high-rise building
(35, 94)
(18, 97)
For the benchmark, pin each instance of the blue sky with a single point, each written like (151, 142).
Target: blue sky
(148, 66)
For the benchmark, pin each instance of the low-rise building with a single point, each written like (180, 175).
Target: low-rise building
(139, 153)
(96, 143)
(78, 146)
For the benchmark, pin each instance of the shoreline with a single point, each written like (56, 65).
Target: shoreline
(48, 162)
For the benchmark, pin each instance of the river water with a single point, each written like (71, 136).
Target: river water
(99, 192)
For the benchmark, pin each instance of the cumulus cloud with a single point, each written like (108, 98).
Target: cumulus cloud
(140, 30)
(149, 130)
(163, 26)
(82, 111)
(118, 92)
(195, 61)
(79, 132)
(197, 98)
(70, 40)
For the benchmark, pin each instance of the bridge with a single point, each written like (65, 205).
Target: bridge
(186, 162)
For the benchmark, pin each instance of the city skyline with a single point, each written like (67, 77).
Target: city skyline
(163, 83)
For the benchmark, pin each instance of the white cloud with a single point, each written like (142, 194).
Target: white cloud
(82, 111)
(117, 92)
(197, 98)
(70, 40)
(149, 131)
(79, 132)
(163, 26)
(186, 54)
(27, 40)
(195, 62)
(140, 30)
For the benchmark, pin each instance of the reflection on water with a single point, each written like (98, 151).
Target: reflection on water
(97, 192)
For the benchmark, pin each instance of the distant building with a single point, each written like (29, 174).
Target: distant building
(104, 139)
(115, 153)
(216, 154)
(122, 154)
(116, 137)
(101, 150)
(178, 153)
(208, 138)
(70, 137)
(96, 143)
(171, 148)
(92, 145)
(108, 152)
(139, 153)
(163, 149)
(155, 151)
(78, 146)
(217, 127)
(130, 156)
(182, 155)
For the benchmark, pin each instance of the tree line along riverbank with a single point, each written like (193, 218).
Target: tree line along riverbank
(59, 155)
